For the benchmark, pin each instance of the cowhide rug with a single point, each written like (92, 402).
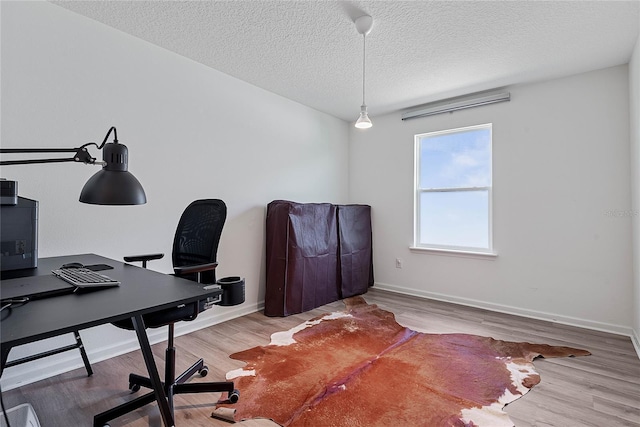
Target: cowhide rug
(361, 368)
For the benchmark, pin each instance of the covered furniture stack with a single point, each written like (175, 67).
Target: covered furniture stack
(317, 253)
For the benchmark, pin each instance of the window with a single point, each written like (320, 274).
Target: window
(453, 190)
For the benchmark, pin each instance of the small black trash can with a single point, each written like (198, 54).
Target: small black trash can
(232, 290)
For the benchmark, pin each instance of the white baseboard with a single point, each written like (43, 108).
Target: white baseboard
(28, 373)
(533, 314)
(635, 339)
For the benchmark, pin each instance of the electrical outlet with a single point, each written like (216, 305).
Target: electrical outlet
(398, 263)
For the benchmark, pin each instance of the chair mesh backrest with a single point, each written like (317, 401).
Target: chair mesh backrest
(198, 235)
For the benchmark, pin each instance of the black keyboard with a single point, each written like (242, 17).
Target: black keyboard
(84, 278)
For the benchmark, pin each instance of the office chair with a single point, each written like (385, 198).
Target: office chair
(195, 248)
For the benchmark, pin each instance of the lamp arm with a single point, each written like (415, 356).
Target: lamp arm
(38, 150)
(81, 155)
(33, 161)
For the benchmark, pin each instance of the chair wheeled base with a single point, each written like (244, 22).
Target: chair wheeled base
(171, 385)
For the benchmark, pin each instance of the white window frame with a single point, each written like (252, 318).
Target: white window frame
(418, 191)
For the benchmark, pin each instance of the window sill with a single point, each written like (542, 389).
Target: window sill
(450, 252)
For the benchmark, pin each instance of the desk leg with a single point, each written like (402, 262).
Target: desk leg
(5, 355)
(156, 383)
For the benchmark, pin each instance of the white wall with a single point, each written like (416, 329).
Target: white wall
(192, 133)
(634, 107)
(561, 198)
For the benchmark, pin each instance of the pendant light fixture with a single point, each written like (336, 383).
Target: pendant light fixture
(364, 25)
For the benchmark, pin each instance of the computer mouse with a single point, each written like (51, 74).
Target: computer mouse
(73, 265)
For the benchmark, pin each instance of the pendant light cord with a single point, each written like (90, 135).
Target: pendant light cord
(364, 53)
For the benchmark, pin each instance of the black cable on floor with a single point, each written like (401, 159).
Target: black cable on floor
(4, 411)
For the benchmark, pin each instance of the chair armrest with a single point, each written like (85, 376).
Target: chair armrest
(143, 258)
(190, 269)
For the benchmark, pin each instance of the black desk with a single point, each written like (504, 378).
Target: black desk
(141, 291)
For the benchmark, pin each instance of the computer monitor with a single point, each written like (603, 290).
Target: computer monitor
(19, 235)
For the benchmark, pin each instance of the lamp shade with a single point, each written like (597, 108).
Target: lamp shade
(114, 184)
(363, 122)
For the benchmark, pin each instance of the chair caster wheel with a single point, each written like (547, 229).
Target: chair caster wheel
(204, 371)
(134, 388)
(234, 396)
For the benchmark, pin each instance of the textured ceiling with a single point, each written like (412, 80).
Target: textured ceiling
(417, 52)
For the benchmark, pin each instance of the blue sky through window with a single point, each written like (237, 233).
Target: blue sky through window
(455, 218)
(461, 159)
(455, 160)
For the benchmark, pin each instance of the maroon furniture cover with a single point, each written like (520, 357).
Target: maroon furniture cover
(317, 253)
(355, 249)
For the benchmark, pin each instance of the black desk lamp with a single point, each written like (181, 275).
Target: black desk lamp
(113, 185)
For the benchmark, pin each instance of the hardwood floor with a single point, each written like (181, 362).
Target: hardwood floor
(598, 390)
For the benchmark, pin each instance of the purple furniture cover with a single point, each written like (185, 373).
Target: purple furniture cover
(316, 253)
